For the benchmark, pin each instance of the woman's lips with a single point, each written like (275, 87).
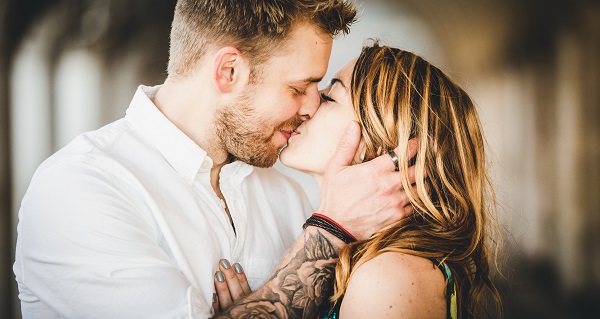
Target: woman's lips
(289, 133)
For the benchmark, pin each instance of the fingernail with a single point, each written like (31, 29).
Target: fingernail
(225, 264)
(219, 276)
(214, 297)
(238, 268)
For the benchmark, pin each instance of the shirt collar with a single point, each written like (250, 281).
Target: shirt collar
(235, 172)
(183, 154)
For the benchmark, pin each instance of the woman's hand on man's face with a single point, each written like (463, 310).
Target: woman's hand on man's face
(367, 197)
(231, 285)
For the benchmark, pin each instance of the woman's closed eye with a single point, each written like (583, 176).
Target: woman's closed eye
(326, 97)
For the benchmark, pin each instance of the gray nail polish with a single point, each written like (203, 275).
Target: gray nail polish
(219, 276)
(238, 268)
(225, 264)
(214, 297)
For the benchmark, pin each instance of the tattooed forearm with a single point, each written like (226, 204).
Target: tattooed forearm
(298, 288)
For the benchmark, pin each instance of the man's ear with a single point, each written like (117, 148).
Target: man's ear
(228, 69)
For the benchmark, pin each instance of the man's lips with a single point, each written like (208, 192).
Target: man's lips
(289, 133)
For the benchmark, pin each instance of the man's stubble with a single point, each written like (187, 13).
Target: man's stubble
(246, 135)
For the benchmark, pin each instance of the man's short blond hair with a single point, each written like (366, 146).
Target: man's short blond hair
(255, 27)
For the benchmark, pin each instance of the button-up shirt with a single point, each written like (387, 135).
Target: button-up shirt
(123, 223)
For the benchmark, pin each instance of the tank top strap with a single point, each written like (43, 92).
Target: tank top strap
(451, 305)
(334, 313)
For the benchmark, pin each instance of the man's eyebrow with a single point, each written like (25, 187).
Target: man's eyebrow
(310, 80)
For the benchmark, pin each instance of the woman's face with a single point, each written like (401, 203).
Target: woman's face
(315, 141)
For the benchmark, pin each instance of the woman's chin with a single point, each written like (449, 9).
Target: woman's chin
(287, 159)
(318, 176)
(293, 160)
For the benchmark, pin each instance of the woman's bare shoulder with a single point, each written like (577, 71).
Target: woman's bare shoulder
(395, 285)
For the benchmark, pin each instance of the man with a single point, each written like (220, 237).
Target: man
(130, 220)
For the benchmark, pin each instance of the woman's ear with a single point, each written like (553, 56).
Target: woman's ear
(229, 69)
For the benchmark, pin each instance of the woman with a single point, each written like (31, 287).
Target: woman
(433, 264)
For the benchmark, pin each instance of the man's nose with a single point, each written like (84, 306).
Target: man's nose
(310, 104)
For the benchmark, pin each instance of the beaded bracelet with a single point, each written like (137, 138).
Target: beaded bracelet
(331, 226)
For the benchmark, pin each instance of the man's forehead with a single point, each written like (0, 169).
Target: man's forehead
(304, 57)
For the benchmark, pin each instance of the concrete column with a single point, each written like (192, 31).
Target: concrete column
(570, 218)
(578, 154)
(591, 110)
(543, 74)
(77, 93)
(6, 231)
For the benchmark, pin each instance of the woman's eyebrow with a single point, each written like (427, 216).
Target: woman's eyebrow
(336, 80)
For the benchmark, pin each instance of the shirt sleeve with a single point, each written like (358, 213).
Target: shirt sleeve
(87, 247)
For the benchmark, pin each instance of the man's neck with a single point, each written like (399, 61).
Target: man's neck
(215, 172)
(191, 108)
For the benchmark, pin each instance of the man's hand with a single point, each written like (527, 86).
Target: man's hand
(367, 197)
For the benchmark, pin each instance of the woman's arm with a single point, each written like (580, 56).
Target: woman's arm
(395, 285)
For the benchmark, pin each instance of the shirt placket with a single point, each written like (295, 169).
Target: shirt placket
(231, 189)
(203, 187)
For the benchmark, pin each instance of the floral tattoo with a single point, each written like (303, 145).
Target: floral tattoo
(299, 289)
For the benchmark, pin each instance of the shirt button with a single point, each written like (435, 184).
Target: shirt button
(205, 164)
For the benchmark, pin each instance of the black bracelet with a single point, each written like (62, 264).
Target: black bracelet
(330, 226)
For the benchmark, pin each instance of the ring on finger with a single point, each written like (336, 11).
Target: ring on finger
(394, 159)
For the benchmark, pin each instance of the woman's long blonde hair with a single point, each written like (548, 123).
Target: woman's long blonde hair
(398, 96)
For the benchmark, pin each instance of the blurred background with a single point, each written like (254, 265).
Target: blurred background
(532, 66)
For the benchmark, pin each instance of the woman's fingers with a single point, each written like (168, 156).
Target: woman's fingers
(241, 276)
(231, 278)
(223, 297)
(215, 304)
(411, 153)
(231, 283)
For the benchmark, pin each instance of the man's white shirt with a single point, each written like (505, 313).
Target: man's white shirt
(123, 223)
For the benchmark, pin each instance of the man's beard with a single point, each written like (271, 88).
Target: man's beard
(245, 135)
